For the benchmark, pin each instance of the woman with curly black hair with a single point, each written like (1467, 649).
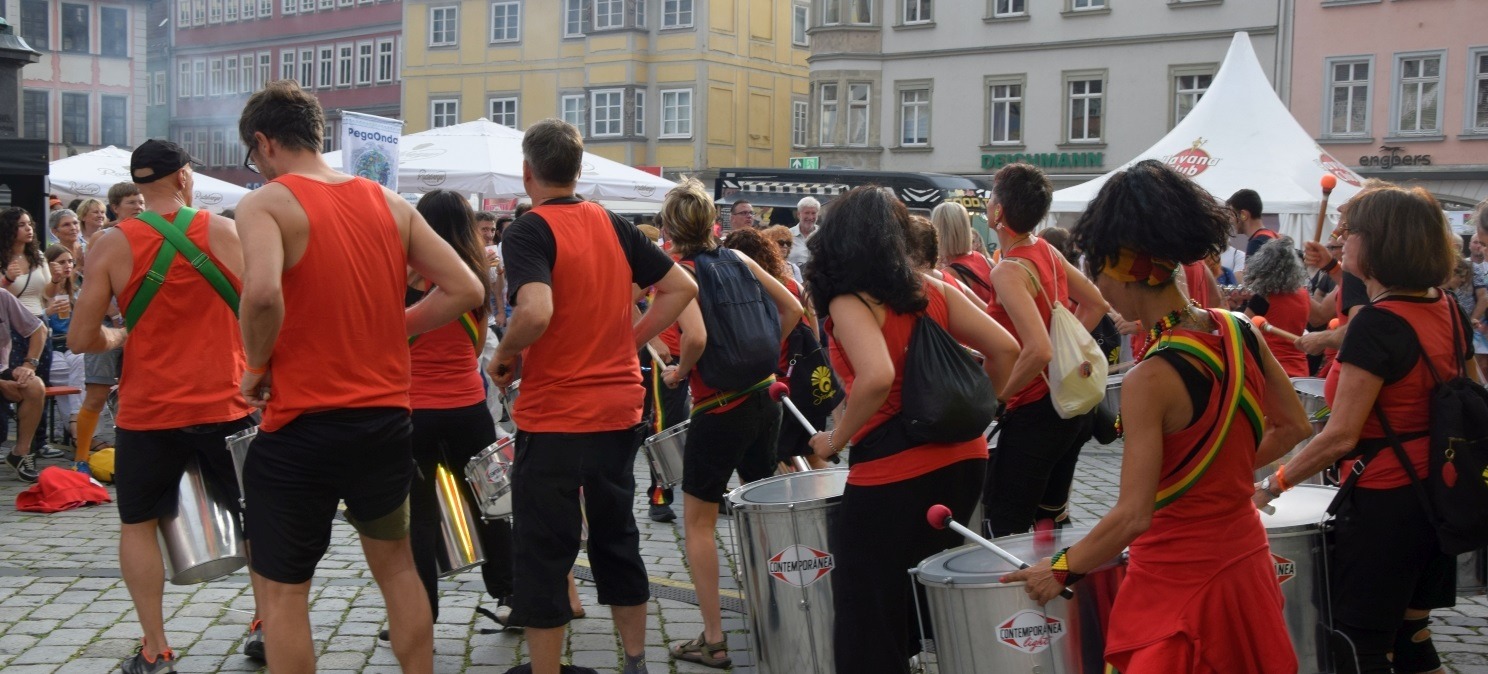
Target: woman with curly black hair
(1200, 593)
(862, 279)
(1275, 278)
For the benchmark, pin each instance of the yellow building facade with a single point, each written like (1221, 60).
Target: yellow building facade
(687, 85)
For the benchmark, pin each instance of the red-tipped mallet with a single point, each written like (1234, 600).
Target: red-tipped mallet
(1328, 182)
(780, 391)
(939, 517)
(1266, 327)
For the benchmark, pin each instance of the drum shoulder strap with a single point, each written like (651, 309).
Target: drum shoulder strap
(176, 243)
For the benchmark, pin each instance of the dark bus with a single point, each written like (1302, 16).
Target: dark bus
(921, 192)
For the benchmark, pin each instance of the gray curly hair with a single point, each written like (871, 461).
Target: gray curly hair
(1275, 268)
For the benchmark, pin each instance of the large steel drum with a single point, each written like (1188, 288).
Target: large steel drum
(202, 540)
(982, 626)
(781, 527)
(1299, 550)
(1310, 391)
(664, 452)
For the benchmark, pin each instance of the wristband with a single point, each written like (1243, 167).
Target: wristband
(1281, 479)
(1059, 564)
(259, 371)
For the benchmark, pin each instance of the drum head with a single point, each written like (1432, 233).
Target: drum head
(1312, 386)
(977, 566)
(782, 492)
(1304, 507)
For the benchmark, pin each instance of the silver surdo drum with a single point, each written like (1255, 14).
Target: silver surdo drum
(982, 626)
(1111, 404)
(201, 540)
(1299, 550)
(781, 527)
(1310, 392)
(664, 452)
(489, 474)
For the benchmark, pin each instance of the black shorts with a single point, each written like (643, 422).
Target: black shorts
(148, 467)
(742, 439)
(1386, 559)
(550, 469)
(296, 476)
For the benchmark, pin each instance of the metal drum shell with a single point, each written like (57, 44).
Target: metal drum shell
(1299, 550)
(664, 451)
(238, 445)
(459, 545)
(790, 616)
(489, 475)
(202, 540)
(968, 610)
(1310, 392)
(1111, 404)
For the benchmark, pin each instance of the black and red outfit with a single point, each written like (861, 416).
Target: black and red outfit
(1261, 237)
(973, 269)
(880, 529)
(1386, 557)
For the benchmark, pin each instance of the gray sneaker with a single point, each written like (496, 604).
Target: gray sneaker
(253, 645)
(24, 466)
(49, 452)
(139, 664)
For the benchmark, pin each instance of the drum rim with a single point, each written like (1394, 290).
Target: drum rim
(668, 433)
(1318, 525)
(735, 496)
(920, 571)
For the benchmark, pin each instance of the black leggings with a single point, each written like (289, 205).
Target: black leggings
(877, 534)
(452, 437)
(1032, 467)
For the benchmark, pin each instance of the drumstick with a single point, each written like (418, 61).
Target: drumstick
(1120, 367)
(780, 391)
(1266, 327)
(1328, 182)
(939, 517)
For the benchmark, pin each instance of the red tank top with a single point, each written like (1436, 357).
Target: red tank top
(1288, 312)
(344, 342)
(980, 271)
(915, 461)
(166, 383)
(583, 375)
(1198, 284)
(445, 368)
(1047, 263)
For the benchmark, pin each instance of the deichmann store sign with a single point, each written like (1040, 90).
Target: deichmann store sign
(1048, 160)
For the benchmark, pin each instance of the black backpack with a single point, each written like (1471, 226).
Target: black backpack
(1455, 491)
(743, 324)
(945, 396)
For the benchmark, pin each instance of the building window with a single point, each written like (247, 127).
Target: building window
(607, 114)
(1085, 104)
(1348, 99)
(75, 28)
(444, 112)
(218, 148)
(198, 12)
(506, 21)
(214, 11)
(640, 13)
(265, 66)
(230, 11)
(1477, 95)
(266, 9)
(571, 109)
(215, 83)
(800, 22)
(853, 12)
(857, 114)
(289, 7)
(35, 24)
(443, 24)
(1418, 94)
(608, 14)
(250, 83)
(157, 88)
(828, 129)
(115, 126)
(325, 63)
(37, 115)
(230, 74)
(343, 65)
(503, 111)
(385, 60)
(914, 117)
(1009, 8)
(346, 3)
(799, 114)
(183, 79)
(676, 14)
(640, 113)
(307, 67)
(75, 118)
(113, 31)
(573, 18)
(365, 62)
(1086, 5)
(676, 113)
(199, 78)
(1187, 90)
(307, 6)
(287, 66)
(1005, 103)
(183, 13)
(917, 11)
(327, 4)
(250, 9)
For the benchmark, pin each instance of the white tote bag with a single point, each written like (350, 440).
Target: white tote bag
(1077, 371)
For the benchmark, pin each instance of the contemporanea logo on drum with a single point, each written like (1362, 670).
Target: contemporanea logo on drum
(800, 566)
(1030, 631)
(1285, 568)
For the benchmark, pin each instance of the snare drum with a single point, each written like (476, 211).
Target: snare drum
(1310, 391)
(1299, 550)
(982, 626)
(489, 475)
(664, 451)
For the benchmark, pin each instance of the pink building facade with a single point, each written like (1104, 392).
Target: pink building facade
(346, 51)
(1398, 90)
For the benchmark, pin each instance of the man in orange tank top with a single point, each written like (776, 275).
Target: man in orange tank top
(326, 335)
(177, 402)
(572, 269)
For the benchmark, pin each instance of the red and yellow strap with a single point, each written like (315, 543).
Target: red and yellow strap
(467, 321)
(719, 400)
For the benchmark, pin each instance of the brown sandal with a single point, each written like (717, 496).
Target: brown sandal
(700, 651)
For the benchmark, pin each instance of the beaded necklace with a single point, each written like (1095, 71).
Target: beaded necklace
(1167, 323)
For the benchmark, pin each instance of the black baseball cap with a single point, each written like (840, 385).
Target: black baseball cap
(156, 159)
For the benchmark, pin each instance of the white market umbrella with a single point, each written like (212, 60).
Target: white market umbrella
(91, 174)
(486, 158)
(1240, 135)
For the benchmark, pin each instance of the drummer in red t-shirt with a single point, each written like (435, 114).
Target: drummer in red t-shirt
(1388, 571)
(1200, 595)
(1275, 278)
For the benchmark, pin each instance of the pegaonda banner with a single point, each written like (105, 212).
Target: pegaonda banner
(369, 147)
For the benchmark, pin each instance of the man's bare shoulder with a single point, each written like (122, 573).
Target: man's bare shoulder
(265, 196)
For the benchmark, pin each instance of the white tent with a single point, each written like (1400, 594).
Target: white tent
(1240, 135)
(91, 174)
(485, 158)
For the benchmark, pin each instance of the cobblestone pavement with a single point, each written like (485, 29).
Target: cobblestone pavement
(64, 609)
